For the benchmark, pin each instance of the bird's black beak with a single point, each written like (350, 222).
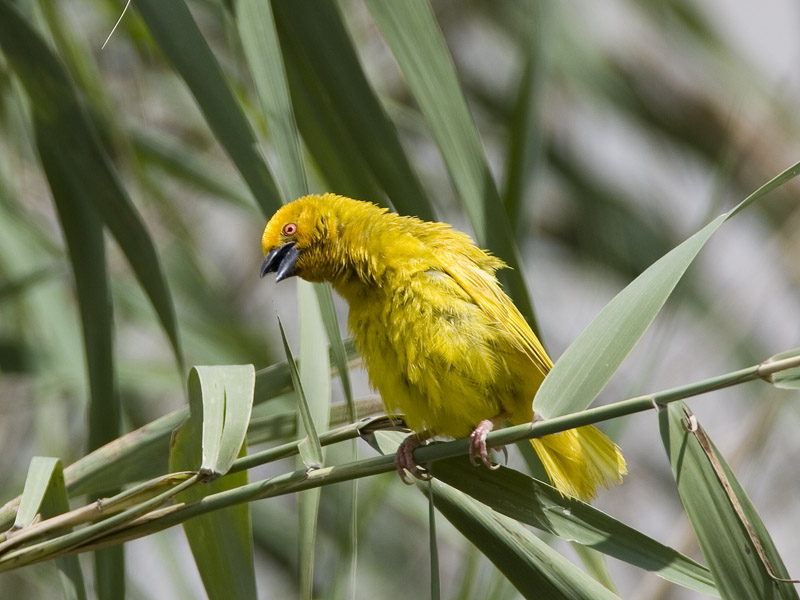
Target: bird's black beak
(281, 260)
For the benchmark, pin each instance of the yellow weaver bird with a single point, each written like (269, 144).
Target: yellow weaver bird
(442, 343)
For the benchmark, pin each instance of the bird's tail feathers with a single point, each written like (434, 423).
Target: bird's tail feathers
(580, 460)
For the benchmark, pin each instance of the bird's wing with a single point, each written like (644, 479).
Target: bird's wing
(485, 291)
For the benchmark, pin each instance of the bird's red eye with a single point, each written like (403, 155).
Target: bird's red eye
(290, 229)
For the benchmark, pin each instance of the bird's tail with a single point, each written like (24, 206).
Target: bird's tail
(580, 460)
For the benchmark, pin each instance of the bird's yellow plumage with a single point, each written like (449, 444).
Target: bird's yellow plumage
(441, 341)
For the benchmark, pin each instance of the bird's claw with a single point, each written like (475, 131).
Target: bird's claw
(477, 446)
(404, 461)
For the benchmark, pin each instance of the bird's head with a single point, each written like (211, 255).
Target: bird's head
(331, 238)
(292, 237)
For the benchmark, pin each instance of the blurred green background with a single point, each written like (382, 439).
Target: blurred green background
(614, 130)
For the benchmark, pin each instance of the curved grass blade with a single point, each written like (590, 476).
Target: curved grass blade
(83, 232)
(209, 441)
(223, 395)
(587, 365)
(84, 170)
(176, 33)
(310, 450)
(45, 495)
(414, 37)
(734, 560)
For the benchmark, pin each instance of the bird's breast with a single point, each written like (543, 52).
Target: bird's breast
(433, 357)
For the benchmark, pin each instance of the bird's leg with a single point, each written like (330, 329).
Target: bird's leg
(404, 458)
(477, 441)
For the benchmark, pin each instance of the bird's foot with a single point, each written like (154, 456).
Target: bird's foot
(404, 460)
(477, 445)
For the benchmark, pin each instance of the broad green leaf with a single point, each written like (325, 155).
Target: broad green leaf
(733, 558)
(411, 31)
(45, 494)
(470, 496)
(223, 395)
(590, 361)
(221, 541)
(319, 51)
(175, 31)
(84, 174)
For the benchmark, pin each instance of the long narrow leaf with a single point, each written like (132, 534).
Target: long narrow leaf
(262, 49)
(324, 131)
(530, 501)
(737, 565)
(525, 133)
(84, 171)
(534, 568)
(411, 31)
(83, 231)
(322, 48)
(590, 361)
(434, 545)
(176, 33)
(339, 354)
